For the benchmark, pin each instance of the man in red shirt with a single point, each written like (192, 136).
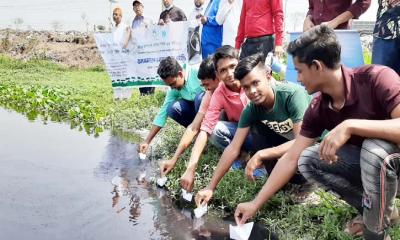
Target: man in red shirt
(359, 159)
(336, 14)
(260, 20)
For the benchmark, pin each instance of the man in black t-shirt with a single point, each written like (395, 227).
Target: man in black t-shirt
(171, 13)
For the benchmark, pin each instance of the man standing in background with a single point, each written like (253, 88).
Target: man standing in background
(195, 28)
(141, 22)
(336, 14)
(211, 36)
(171, 13)
(386, 46)
(228, 16)
(259, 21)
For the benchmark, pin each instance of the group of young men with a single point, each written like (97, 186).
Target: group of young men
(243, 109)
(233, 100)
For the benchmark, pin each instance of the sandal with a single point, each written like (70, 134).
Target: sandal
(304, 194)
(355, 227)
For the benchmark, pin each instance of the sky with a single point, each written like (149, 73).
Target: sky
(74, 14)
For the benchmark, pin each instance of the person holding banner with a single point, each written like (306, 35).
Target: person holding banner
(141, 22)
(121, 34)
(181, 102)
(171, 13)
(210, 82)
(335, 14)
(273, 118)
(120, 31)
(359, 159)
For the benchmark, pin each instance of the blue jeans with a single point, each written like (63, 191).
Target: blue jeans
(184, 111)
(223, 135)
(387, 52)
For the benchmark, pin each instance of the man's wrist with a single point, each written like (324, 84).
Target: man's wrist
(257, 203)
(349, 126)
(211, 187)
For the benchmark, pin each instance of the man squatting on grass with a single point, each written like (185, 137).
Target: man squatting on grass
(229, 98)
(210, 82)
(273, 117)
(359, 158)
(181, 102)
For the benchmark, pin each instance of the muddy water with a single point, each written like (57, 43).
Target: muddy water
(58, 183)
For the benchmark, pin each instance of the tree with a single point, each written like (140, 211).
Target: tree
(56, 25)
(85, 21)
(101, 28)
(18, 22)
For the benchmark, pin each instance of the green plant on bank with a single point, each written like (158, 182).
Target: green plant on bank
(84, 98)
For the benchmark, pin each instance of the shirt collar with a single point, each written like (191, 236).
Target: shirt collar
(348, 77)
(199, 8)
(228, 92)
(169, 8)
(138, 18)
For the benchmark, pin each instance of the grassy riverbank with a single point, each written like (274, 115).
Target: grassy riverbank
(84, 99)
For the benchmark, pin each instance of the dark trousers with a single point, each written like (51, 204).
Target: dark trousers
(365, 177)
(184, 111)
(146, 90)
(264, 137)
(264, 44)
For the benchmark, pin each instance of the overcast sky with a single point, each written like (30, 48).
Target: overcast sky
(41, 14)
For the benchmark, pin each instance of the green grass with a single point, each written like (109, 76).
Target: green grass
(84, 99)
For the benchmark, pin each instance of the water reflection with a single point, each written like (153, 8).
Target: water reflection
(131, 189)
(64, 184)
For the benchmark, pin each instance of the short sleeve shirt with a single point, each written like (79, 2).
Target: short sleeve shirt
(371, 92)
(291, 102)
(188, 92)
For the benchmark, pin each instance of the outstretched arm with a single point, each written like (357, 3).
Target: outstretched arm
(283, 171)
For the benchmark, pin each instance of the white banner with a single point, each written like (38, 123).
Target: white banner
(137, 64)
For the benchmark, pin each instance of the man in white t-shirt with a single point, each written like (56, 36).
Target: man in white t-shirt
(228, 15)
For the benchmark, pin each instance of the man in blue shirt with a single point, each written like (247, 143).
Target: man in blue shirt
(211, 37)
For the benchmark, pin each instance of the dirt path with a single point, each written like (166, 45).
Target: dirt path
(72, 48)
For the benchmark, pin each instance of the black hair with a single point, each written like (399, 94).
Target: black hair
(247, 64)
(136, 2)
(168, 67)
(206, 69)
(319, 43)
(225, 51)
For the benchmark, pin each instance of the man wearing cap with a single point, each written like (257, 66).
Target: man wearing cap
(141, 22)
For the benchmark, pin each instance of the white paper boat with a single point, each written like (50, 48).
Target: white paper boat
(200, 211)
(161, 181)
(187, 195)
(142, 156)
(240, 232)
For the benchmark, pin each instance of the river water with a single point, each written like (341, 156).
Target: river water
(58, 183)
